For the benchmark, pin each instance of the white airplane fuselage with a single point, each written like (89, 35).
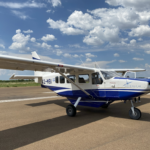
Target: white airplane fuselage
(116, 88)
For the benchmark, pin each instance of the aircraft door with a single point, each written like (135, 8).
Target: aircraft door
(98, 86)
(84, 82)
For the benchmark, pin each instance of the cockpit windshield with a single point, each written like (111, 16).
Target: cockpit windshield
(110, 74)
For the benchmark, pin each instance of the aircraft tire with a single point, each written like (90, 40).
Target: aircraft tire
(137, 115)
(71, 111)
(105, 106)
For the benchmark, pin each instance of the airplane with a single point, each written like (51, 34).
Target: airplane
(83, 86)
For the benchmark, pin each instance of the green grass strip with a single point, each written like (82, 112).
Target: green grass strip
(18, 84)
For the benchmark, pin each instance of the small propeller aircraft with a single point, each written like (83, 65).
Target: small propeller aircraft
(81, 85)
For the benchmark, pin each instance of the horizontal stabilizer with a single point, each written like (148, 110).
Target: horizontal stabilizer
(24, 77)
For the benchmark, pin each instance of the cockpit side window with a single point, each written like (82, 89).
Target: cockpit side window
(62, 79)
(56, 79)
(84, 78)
(96, 78)
(71, 77)
(109, 74)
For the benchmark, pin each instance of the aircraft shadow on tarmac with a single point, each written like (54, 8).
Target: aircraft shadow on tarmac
(20, 136)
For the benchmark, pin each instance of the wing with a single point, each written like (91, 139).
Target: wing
(125, 70)
(17, 63)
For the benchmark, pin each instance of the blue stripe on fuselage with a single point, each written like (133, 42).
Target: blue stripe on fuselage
(90, 104)
(101, 94)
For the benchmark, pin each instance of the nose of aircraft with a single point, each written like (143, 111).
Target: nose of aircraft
(148, 80)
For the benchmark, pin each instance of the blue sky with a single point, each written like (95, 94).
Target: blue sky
(113, 33)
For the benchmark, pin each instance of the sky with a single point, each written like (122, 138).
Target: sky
(112, 33)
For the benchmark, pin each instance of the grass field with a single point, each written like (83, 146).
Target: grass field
(18, 83)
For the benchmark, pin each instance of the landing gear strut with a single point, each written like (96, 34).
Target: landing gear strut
(134, 113)
(71, 109)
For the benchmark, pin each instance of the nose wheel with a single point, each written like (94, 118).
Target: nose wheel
(136, 115)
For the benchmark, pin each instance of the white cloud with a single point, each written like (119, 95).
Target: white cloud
(3, 52)
(90, 55)
(122, 18)
(76, 46)
(28, 31)
(55, 2)
(116, 55)
(64, 28)
(75, 56)
(45, 45)
(140, 39)
(18, 31)
(107, 26)
(33, 39)
(135, 4)
(58, 52)
(48, 11)
(101, 64)
(48, 37)
(146, 46)
(2, 72)
(2, 46)
(67, 55)
(19, 40)
(38, 44)
(56, 46)
(148, 52)
(82, 21)
(142, 30)
(133, 42)
(22, 5)
(122, 61)
(138, 59)
(20, 14)
(99, 35)
(88, 59)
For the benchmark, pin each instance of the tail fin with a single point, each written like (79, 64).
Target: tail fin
(35, 56)
(36, 73)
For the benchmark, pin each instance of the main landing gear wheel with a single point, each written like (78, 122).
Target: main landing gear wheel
(105, 106)
(71, 111)
(136, 115)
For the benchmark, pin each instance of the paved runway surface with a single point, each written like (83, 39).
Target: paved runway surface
(42, 124)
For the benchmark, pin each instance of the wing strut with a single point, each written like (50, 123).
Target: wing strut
(73, 83)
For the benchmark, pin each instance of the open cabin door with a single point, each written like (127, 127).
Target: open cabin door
(98, 86)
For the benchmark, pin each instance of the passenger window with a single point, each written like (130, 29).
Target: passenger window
(71, 77)
(96, 78)
(56, 79)
(62, 79)
(84, 78)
